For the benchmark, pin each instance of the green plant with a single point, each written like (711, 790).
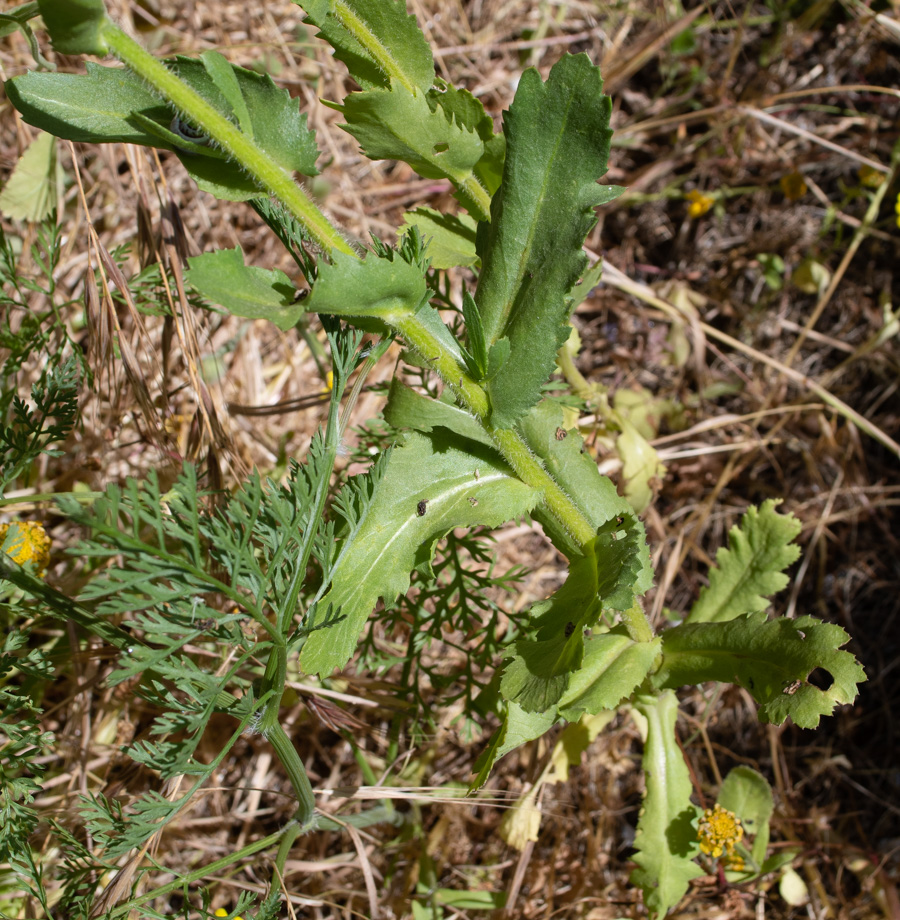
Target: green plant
(486, 446)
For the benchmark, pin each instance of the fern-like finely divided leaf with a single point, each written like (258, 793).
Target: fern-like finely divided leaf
(111, 104)
(430, 485)
(666, 839)
(377, 39)
(557, 144)
(245, 290)
(771, 659)
(751, 569)
(397, 124)
(538, 676)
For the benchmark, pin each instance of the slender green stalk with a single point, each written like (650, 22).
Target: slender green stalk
(237, 145)
(290, 760)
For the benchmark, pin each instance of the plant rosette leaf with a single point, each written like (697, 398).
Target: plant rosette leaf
(114, 104)
(751, 569)
(557, 145)
(666, 839)
(771, 659)
(430, 485)
(245, 290)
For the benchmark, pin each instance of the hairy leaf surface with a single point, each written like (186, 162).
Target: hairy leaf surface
(751, 569)
(377, 39)
(771, 659)
(666, 839)
(557, 144)
(113, 104)
(428, 488)
(245, 290)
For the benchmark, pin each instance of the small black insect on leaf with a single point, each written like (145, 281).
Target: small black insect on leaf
(421, 507)
(570, 628)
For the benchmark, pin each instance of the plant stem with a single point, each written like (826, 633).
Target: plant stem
(237, 145)
(290, 760)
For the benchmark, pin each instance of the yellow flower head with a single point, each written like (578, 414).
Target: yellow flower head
(792, 186)
(719, 831)
(897, 210)
(699, 203)
(221, 912)
(29, 544)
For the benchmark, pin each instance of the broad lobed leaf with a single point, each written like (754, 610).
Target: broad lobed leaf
(771, 659)
(751, 569)
(430, 485)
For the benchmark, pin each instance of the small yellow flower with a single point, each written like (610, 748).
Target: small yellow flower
(792, 186)
(221, 912)
(897, 210)
(329, 381)
(719, 831)
(30, 544)
(870, 177)
(699, 203)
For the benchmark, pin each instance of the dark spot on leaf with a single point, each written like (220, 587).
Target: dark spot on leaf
(420, 508)
(561, 434)
(570, 628)
(441, 148)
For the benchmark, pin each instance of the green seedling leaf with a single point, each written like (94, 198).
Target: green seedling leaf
(397, 124)
(451, 237)
(751, 569)
(75, 26)
(408, 409)
(380, 43)
(244, 290)
(666, 839)
(470, 900)
(538, 676)
(557, 144)
(113, 104)
(30, 192)
(771, 659)
(430, 486)
(614, 666)
(747, 793)
(518, 727)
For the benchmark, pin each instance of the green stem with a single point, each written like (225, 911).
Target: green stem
(290, 760)
(229, 138)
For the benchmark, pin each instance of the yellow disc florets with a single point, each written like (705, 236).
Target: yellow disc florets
(719, 832)
(699, 203)
(28, 542)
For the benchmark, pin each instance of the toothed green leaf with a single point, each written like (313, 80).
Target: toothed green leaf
(771, 659)
(751, 569)
(75, 26)
(557, 144)
(378, 40)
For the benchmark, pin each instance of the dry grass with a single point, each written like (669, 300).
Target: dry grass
(746, 101)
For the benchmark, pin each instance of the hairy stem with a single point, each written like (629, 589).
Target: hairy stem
(237, 145)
